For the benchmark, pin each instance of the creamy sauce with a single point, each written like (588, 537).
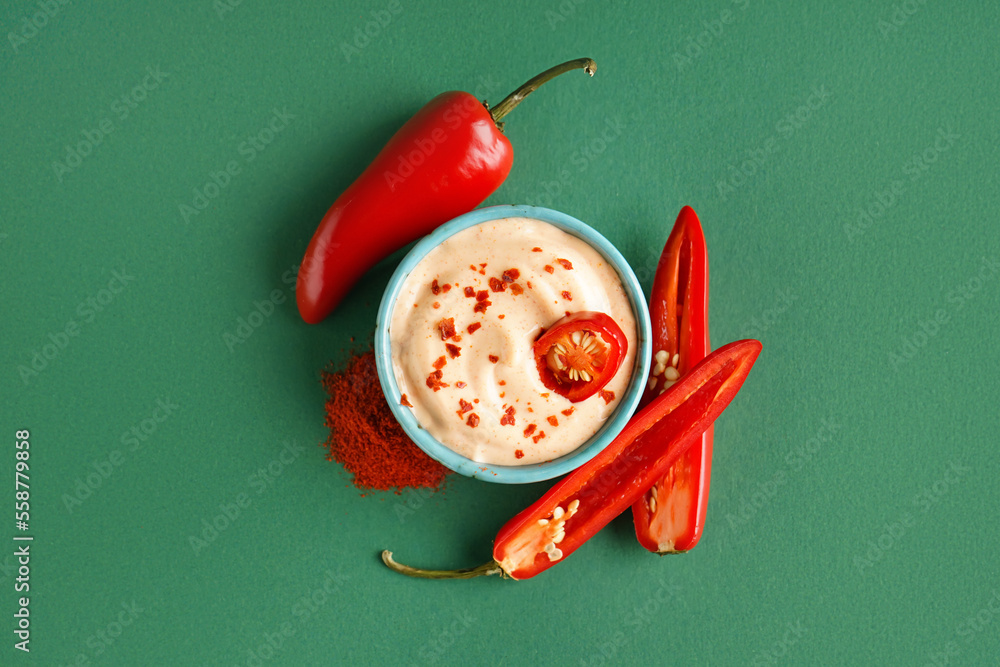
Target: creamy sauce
(480, 393)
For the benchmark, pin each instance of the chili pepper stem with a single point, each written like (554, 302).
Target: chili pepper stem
(484, 570)
(530, 86)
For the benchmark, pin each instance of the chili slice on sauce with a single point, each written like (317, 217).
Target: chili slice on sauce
(580, 354)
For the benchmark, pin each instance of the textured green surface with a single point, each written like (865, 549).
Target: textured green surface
(836, 451)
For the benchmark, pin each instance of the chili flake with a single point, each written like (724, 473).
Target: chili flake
(510, 275)
(529, 430)
(439, 364)
(482, 295)
(436, 305)
(508, 417)
(482, 268)
(481, 306)
(541, 434)
(405, 401)
(536, 249)
(518, 454)
(465, 407)
(453, 350)
(516, 289)
(460, 384)
(502, 383)
(568, 411)
(497, 285)
(469, 291)
(435, 288)
(566, 264)
(566, 295)
(608, 396)
(550, 269)
(473, 420)
(446, 288)
(434, 380)
(447, 328)
(501, 316)
(553, 420)
(472, 328)
(494, 358)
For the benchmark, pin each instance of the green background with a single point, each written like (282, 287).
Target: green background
(854, 495)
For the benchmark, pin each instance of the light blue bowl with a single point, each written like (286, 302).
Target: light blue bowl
(538, 471)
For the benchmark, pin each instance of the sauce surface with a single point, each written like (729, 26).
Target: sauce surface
(462, 331)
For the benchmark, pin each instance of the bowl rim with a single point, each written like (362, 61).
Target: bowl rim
(535, 472)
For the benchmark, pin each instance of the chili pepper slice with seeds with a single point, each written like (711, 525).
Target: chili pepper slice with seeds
(670, 516)
(442, 163)
(579, 354)
(588, 498)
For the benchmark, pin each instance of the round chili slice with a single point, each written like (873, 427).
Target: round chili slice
(578, 355)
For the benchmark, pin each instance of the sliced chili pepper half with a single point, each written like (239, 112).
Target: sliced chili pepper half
(670, 517)
(579, 354)
(588, 498)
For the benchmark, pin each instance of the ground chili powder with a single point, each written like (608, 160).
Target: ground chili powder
(366, 438)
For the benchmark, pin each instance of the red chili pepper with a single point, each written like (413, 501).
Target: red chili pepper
(442, 163)
(588, 498)
(670, 517)
(580, 354)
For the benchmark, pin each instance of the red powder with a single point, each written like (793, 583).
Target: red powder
(366, 438)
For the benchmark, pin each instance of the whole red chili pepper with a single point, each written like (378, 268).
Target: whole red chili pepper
(670, 517)
(442, 163)
(588, 498)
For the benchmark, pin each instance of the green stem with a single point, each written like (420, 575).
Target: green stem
(483, 570)
(512, 100)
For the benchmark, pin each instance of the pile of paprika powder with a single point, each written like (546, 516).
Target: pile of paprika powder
(366, 438)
